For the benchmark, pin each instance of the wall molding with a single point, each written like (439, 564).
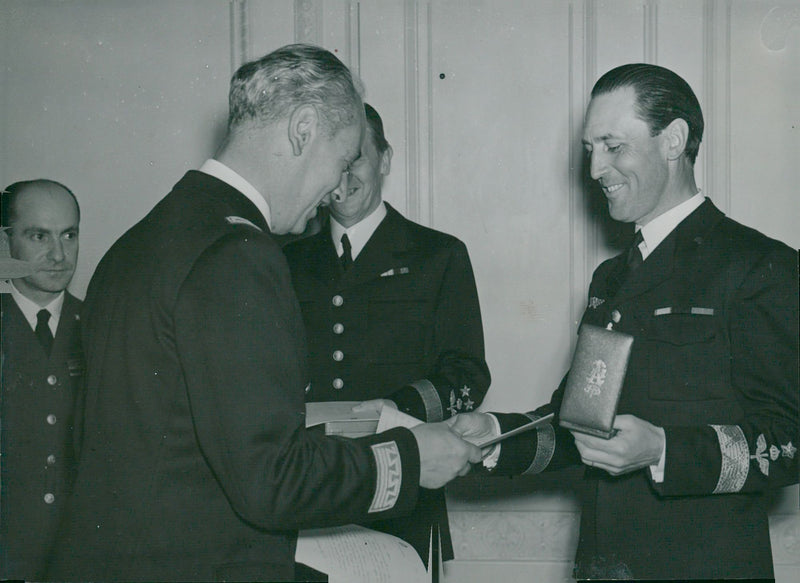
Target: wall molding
(584, 230)
(308, 21)
(514, 535)
(717, 88)
(418, 111)
(239, 33)
(777, 25)
(650, 32)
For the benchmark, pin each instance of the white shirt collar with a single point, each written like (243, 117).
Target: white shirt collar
(29, 308)
(359, 233)
(229, 176)
(660, 227)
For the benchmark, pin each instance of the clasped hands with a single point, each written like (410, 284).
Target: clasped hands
(443, 452)
(447, 448)
(637, 443)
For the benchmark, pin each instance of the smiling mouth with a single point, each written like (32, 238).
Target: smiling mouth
(611, 189)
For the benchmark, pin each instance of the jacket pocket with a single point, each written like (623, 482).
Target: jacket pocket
(686, 358)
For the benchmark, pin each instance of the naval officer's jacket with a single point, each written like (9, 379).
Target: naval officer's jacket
(714, 315)
(194, 463)
(37, 397)
(402, 323)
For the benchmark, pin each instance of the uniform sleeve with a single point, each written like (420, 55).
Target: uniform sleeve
(549, 447)
(760, 451)
(460, 378)
(241, 346)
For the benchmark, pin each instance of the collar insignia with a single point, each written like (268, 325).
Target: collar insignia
(232, 220)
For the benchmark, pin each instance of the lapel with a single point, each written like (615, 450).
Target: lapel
(660, 264)
(69, 315)
(386, 249)
(16, 327)
(321, 255)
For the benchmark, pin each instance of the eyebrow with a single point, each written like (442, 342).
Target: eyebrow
(43, 230)
(603, 138)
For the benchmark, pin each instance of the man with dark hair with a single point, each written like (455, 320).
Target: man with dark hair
(195, 463)
(408, 326)
(707, 420)
(41, 371)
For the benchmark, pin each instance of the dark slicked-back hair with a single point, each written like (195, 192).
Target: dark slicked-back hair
(10, 194)
(270, 88)
(661, 96)
(376, 127)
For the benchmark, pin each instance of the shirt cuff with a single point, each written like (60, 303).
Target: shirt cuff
(490, 461)
(657, 471)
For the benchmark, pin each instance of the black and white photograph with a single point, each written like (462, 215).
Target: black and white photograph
(399, 291)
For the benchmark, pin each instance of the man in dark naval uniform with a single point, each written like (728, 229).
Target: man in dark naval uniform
(708, 415)
(41, 372)
(391, 312)
(195, 463)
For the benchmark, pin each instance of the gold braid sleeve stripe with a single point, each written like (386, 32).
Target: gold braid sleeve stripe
(390, 476)
(430, 399)
(735, 458)
(545, 447)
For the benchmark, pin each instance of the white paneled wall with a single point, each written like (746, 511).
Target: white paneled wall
(483, 102)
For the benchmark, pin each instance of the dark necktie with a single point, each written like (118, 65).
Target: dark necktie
(43, 331)
(634, 258)
(347, 254)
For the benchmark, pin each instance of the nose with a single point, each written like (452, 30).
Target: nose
(340, 192)
(56, 251)
(597, 163)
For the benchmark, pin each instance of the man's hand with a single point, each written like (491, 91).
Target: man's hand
(373, 405)
(474, 427)
(636, 445)
(442, 454)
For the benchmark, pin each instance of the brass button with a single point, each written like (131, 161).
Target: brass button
(51, 460)
(52, 379)
(51, 419)
(338, 355)
(337, 300)
(338, 328)
(338, 383)
(49, 498)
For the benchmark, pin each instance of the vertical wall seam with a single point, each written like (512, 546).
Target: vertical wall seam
(650, 36)
(239, 34)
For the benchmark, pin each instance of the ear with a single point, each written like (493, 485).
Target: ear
(303, 126)
(386, 161)
(676, 135)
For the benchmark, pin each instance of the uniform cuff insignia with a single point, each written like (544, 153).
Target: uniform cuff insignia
(461, 402)
(389, 476)
(735, 458)
(545, 447)
(430, 400)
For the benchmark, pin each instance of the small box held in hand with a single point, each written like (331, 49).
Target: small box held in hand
(595, 381)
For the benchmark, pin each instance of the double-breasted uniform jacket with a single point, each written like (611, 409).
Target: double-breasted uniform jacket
(195, 464)
(402, 323)
(37, 395)
(714, 315)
